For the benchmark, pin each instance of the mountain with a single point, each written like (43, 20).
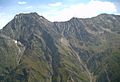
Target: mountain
(33, 49)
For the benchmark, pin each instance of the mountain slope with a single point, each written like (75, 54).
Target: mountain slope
(33, 49)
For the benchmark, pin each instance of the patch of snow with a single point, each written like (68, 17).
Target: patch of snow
(15, 41)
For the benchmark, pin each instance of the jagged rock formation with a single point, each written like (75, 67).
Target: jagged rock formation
(33, 49)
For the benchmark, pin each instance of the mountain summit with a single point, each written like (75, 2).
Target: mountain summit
(33, 49)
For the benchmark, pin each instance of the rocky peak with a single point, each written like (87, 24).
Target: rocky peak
(73, 19)
(30, 16)
(26, 14)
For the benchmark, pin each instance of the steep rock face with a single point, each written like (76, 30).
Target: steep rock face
(33, 49)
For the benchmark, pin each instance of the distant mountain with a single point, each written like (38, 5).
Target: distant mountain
(33, 49)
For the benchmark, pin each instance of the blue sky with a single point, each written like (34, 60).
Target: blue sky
(57, 10)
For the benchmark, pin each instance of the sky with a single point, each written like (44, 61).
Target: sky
(57, 10)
